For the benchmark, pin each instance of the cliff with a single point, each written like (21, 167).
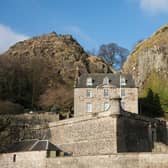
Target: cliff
(39, 72)
(148, 63)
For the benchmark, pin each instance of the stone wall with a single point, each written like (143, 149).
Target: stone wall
(24, 126)
(85, 135)
(137, 133)
(128, 160)
(30, 159)
(129, 100)
(43, 116)
(133, 135)
(97, 133)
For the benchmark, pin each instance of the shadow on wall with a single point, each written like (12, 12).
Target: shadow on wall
(150, 105)
(14, 128)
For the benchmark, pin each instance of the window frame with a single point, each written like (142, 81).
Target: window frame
(106, 81)
(105, 108)
(89, 81)
(123, 81)
(105, 92)
(89, 93)
(88, 107)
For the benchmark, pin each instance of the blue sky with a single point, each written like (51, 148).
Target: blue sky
(91, 22)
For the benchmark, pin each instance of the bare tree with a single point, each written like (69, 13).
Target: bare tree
(113, 54)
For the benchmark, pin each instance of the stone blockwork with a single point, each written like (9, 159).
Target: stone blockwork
(128, 160)
(86, 135)
(136, 133)
(133, 135)
(108, 132)
(33, 159)
(97, 99)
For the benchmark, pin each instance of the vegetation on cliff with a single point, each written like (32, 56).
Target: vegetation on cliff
(39, 73)
(148, 64)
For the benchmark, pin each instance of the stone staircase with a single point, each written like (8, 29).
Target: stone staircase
(160, 148)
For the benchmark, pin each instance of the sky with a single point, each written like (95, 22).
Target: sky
(91, 22)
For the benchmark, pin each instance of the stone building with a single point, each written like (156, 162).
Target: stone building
(29, 153)
(107, 130)
(93, 92)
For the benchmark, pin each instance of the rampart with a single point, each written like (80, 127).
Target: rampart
(32, 159)
(108, 133)
(86, 135)
(127, 160)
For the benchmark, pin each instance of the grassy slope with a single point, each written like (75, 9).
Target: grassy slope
(159, 86)
(154, 81)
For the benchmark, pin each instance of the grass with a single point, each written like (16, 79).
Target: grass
(159, 86)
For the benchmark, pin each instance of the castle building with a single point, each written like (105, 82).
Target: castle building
(106, 131)
(93, 92)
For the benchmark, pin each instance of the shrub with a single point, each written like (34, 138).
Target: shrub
(7, 107)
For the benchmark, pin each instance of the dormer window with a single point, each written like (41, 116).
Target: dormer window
(89, 81)
(106, 81)
(122, 81)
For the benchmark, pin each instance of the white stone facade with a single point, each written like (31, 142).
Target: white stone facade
(94, 100)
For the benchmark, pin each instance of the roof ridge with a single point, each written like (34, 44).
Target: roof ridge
(27, 140)
(47, 144)
(33, 145)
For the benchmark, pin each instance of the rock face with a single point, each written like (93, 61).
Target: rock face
(148, 64)
(40, 72)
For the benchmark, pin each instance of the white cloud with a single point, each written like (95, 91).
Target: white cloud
(8, 37)
(154, 6)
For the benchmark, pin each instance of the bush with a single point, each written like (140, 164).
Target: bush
(7, 107)
(55, 108)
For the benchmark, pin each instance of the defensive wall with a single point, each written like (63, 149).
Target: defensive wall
(108, 133)
(86, 135)
(28, 159)
(123, 160)
(137, 133)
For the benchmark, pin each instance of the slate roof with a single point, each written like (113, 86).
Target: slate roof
(97, 78)
(30, 145)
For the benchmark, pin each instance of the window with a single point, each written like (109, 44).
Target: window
(106, 106)
(105, 92)
(106, 81)
(48, 153)
(14, 158)
(122, 81)
(88, 107)
(58, 153)
(89, 82)
(89, 93)
(122, 92)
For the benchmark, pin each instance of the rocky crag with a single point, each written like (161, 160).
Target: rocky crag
(148, 63)
(39, 72)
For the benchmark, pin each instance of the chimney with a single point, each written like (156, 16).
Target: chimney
(77, 75)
